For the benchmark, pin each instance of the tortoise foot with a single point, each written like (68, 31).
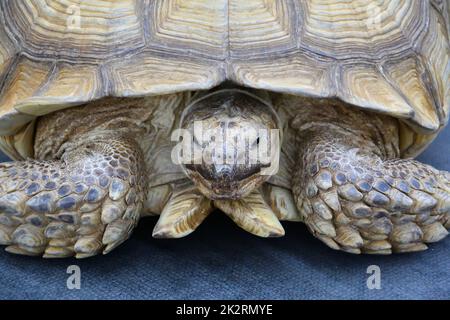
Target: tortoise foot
(359, 203)
(84, 204)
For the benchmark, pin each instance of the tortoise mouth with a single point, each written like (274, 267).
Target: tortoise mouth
(229, 185)
(227, 175)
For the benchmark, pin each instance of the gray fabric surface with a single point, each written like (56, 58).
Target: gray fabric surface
(219, 261)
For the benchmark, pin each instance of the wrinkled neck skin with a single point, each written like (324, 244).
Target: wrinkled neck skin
(66, 129)
(344, 127)
(229, 128)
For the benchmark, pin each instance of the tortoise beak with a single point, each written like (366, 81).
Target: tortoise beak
(219, 181)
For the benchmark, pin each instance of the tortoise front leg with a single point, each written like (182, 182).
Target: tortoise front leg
(354, 199)
(88, 201)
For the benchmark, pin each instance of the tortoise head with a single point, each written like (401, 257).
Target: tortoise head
(231, 143)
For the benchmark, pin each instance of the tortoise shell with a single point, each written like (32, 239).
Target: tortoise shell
(387, 56)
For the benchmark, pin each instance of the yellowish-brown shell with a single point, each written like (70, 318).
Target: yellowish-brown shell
(388, 56)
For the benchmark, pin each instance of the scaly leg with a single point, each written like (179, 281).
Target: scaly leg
(85, 203)
(355, 196)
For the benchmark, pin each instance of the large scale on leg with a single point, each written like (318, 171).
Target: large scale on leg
(123, 73)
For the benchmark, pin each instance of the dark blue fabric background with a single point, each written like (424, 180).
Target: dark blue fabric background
(220, 261)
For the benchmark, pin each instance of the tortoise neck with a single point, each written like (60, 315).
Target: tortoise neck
(345, 126)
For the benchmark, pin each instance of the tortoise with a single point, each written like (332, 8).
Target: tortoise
(100, 106)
